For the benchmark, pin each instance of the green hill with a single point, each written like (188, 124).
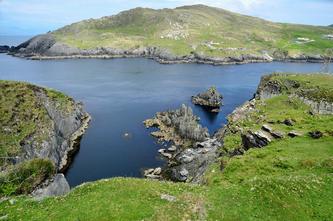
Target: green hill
(198, 30)
(288, 179)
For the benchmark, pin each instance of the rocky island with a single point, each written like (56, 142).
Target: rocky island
(40, 131)
(188, 34)
(210, 99)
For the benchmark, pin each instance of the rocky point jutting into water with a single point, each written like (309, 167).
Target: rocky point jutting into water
(295, 90)
(191, 151)
(210, 99)
(40, 123)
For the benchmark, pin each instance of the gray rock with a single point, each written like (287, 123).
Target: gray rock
(56, 187)
(289, 122)
(277, 134)
(316, 134)
(211, 99)
(294, 134)
(267, 128)
(168, 197)
(172, 148)
(255, 139)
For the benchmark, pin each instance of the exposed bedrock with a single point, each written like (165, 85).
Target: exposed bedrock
(191, 150)
(211, 99)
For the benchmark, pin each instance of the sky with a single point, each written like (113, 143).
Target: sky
(30, 17)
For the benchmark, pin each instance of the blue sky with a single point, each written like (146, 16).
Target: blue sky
(29, 17)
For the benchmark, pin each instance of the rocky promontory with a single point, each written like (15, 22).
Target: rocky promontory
(191, 149)
(210, 99)
(39, 123)
(274, 113)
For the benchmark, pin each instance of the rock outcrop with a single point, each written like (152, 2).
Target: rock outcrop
(178, 126)
(191, 150)
(56, 186)
(63, 136)
(211, 99)
(52, 126)
(270, 87)
(4, 48)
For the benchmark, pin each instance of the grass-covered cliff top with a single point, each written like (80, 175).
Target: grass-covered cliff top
(24, 119)
(317, 87)
(23, 114)
(289, 179)
(196, 29)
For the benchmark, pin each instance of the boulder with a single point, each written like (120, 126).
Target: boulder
(56, 187)
(256, 139)
(316, 134)
(294, 134)
(289, 122)
(168, 197)
(211, 99)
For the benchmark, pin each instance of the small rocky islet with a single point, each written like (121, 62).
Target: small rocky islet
(210, 99)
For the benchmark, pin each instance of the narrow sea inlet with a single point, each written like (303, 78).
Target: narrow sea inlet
(120, 94)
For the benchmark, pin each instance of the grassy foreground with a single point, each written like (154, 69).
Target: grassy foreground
(290, 179)
(196, 29)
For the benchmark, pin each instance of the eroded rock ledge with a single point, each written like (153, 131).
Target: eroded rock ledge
(191, 150)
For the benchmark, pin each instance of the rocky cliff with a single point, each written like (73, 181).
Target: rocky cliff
(39, 123)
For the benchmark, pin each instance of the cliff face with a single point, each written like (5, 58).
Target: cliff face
(38, 123)
(64, 133)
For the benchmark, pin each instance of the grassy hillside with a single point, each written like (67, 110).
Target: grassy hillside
(200, 29)
(290, 179)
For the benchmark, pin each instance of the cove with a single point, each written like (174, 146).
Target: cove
(120, 94)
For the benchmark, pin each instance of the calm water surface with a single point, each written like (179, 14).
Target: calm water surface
(121, 93)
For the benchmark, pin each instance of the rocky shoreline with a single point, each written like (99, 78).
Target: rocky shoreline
(191, 148)
(45, 47)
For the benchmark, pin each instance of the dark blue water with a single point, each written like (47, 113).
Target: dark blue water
(121, 93)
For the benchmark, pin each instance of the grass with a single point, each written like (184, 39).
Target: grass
(24, 120)
(187, 30)
(290, 179)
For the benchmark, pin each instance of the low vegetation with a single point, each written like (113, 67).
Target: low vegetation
(22, 116)
(196, 29)
(289, 179)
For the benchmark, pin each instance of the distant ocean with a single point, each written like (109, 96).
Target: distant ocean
(13, 40)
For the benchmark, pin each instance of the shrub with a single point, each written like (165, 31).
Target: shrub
(24, 177)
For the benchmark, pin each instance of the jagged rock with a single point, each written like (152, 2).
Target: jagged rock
(255, 139)
(4, 48)
(172, 148)
(157, 171)
(168, 197)
(167, 155)
(294, 134)
(191, 163)
(289, 122)
(277, 134)
(211, 99)
(267, 128)
(316, 134)
(56, 187)
(178, 126)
